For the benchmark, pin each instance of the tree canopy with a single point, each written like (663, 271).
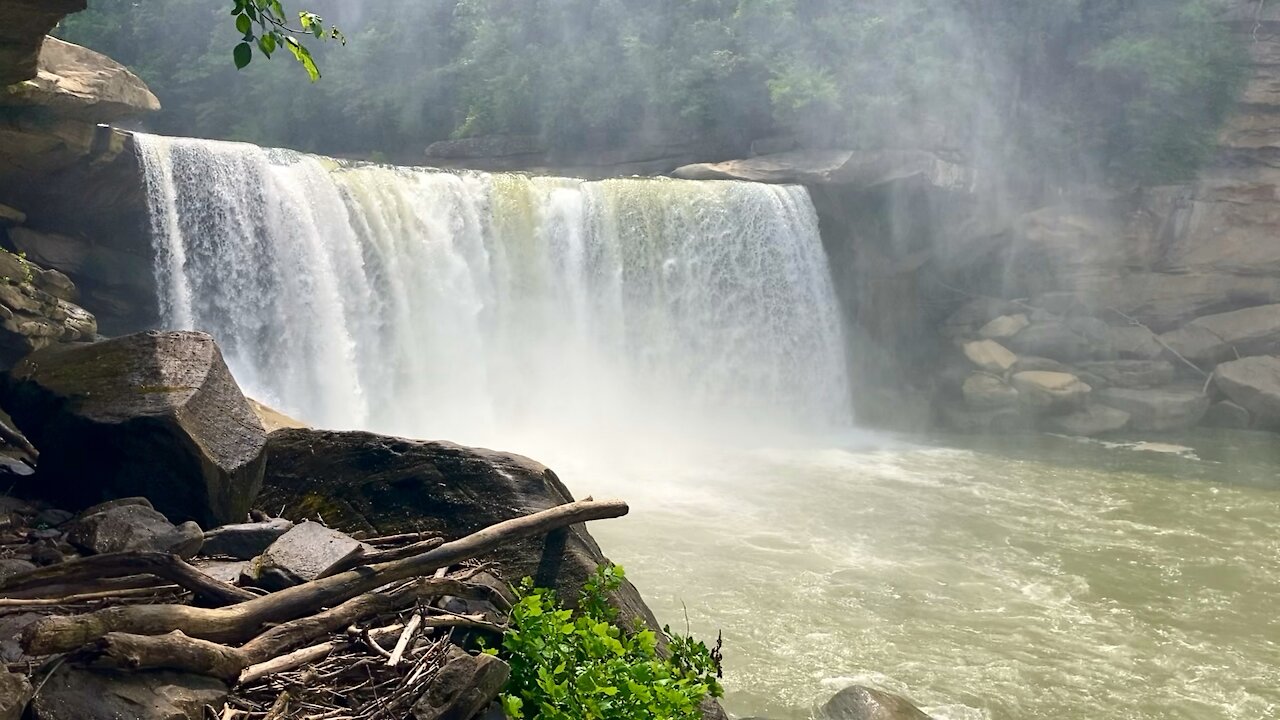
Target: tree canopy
(1099, 89)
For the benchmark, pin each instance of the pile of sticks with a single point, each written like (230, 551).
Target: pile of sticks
(362, 644)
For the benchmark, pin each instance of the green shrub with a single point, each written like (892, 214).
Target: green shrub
(580, 665)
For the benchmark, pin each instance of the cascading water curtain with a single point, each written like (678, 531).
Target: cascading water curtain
(468, 305)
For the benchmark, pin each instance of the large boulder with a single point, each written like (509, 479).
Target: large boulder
(1051, 392)
(864, 703)
(1134, 342)
(1227, 415)
(132, 525)
(985, 391)
(1004, 327)
(359, 481)
(1195, 344)
(1132, 373)
(1254, 384)
(1214, 338)
(72, 693)
(1052, 339)
(1158, 410)
(156, 415)
(989, 355)
(1092, 420)
(78, 83)
(307, 551)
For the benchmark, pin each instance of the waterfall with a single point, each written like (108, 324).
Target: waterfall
(469, 305)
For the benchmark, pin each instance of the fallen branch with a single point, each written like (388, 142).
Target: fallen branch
(88, 597)
(287, 662)
(1137, 323)
(410, 629)
(238, 623)
(95, 568)
(19, 441)
(178, 651)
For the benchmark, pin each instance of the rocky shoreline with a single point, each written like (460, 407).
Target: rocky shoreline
(1017, 367)
(152, 430)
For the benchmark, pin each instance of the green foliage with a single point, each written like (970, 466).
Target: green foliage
(579, 665)
(264, 23)
(1111, 90)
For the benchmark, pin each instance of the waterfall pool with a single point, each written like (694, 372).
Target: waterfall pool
(620, 330)
(1028, 578)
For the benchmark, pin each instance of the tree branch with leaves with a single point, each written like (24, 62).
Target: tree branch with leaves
(265, 23)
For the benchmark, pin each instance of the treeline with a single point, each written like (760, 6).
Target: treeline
(1123, 90)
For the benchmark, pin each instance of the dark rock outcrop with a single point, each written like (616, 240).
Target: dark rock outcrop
(155, 414)
(359, 481)
(23, 26)
(80, 694)
(244, 541)
(132, 525)
(465, 686)
(864, 703)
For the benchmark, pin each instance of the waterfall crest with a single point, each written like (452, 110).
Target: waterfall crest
(468, 305)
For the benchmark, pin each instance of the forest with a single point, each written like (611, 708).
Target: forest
(1112, 91)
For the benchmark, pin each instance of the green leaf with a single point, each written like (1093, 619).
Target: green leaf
(244, 24)
(303, 56)
(243, 55)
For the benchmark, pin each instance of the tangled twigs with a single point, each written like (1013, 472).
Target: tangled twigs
(240, 622)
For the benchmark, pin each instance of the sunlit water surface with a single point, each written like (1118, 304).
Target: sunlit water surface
(1031, 578)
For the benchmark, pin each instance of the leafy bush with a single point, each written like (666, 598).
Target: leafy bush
(580, 665)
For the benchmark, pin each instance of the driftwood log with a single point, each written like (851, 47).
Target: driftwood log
(95, 568)
(177, 651)
(244, 621)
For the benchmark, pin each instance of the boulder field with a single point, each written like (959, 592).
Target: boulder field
(1015, 366)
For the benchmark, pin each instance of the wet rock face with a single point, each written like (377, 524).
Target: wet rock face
(155, 414)
(371, 483)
